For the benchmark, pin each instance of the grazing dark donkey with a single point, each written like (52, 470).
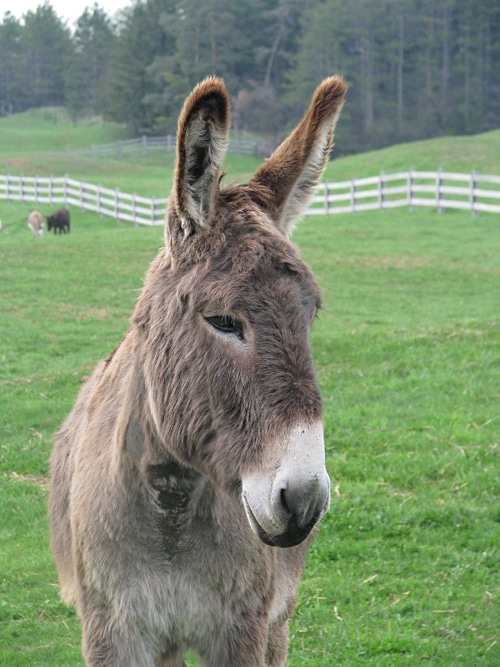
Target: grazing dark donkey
(59, 220)
(188, 480)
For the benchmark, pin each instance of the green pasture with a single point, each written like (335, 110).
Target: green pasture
(31, 143)
(49, 129)
(34, 144)
(406, 567)
(456, 154)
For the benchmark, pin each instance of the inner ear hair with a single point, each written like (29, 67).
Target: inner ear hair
(296, 166)
(202, 143)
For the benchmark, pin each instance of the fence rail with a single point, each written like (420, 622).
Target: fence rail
(439, 189)
(88, 197)
(474, 192)
(145, 143)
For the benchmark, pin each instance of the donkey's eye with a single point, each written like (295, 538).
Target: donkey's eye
(227, 324)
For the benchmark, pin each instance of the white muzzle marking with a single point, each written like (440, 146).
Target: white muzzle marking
(283, 503)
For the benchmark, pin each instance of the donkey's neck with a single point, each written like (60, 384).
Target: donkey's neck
(173, 485)
(184, 500)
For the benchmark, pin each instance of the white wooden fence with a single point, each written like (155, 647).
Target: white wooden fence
(144, 144)
(442, 190)
(88, 197)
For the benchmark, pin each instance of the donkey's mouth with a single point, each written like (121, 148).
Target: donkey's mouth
(291, 537)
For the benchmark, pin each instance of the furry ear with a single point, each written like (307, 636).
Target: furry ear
(296, 166)
(202, 139)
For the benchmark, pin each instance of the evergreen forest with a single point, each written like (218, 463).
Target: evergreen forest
(417, 69)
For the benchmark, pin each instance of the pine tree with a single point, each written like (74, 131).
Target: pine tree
(88, 70)
(10, 53)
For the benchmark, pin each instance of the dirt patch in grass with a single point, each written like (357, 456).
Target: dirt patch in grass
(401, 262)
(38, 480)
(18, 163)
(411, 263)
(65, 310)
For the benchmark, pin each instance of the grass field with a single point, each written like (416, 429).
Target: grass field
(28, 142)
(406, 568)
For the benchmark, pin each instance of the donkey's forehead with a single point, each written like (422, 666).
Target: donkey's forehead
(250, 235)
(242, 251)
(256, 262)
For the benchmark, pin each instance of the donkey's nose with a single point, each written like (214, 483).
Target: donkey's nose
(284, 502)
(300, 503)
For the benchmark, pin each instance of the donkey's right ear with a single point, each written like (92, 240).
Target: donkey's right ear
(202, 138)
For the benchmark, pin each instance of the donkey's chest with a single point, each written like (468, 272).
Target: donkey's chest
(206, 565)
(193, 605)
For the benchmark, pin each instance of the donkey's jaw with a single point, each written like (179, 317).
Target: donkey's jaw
(285, 502)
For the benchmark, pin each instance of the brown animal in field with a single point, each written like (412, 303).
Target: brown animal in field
(35, 223)
(188, 480)
(59, 221)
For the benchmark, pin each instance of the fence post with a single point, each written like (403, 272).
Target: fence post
(119, 148)
(473, 198)
(133, 209)
(381, 189)
(153, 210)
(353, 194)
(327, 194)
(144, 142)
(21, 188)
(82, 202)
(7, 189)
(410, 189)
(117, 204)
(50, 189)
(65, 188)
(439, 183)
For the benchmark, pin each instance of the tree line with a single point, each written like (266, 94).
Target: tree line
(416, 68)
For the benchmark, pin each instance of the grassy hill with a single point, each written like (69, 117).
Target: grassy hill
(50, 129)
(459, 154)
(28, 142)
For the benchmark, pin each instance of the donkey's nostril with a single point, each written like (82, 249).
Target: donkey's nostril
(284, 504)
(301, 501)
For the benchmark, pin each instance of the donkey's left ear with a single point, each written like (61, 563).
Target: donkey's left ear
(295, 167)
(202, 139)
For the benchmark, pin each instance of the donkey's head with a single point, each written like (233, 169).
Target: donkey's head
(225, 316)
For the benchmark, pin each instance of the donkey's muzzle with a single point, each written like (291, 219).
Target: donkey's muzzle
(284, 503)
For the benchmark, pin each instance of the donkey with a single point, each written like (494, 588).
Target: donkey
(59, 220)
(35, 223)
(189, 478)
